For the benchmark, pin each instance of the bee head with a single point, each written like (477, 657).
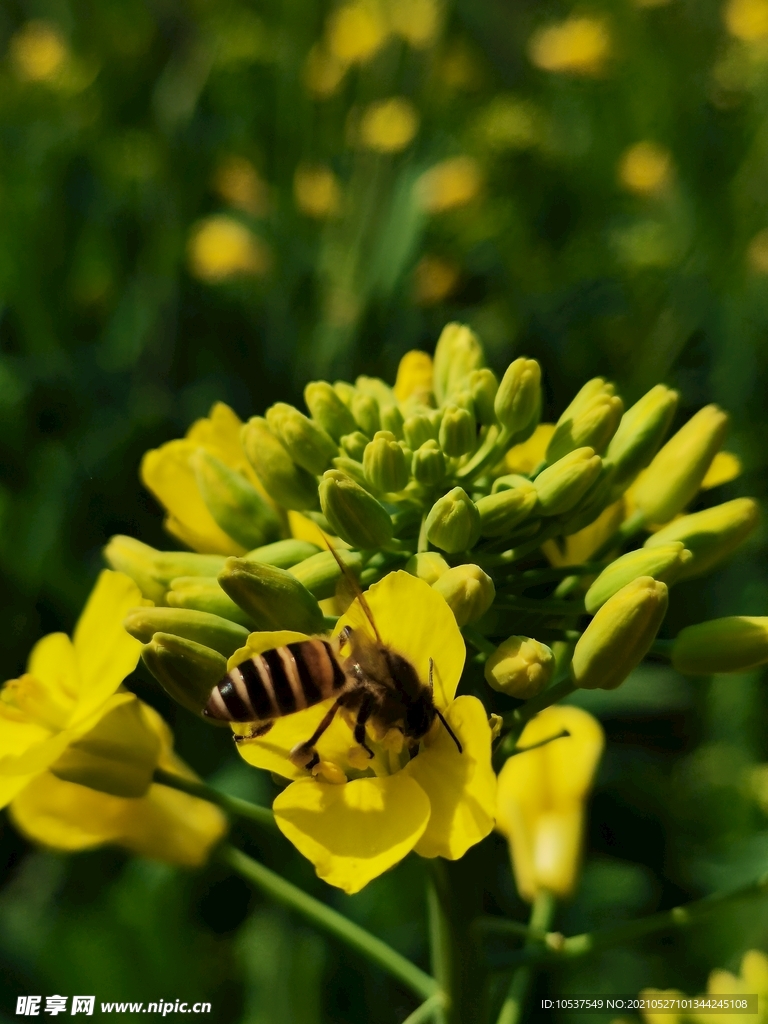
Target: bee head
(419, 717)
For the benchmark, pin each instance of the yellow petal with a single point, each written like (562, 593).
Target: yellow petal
(53, 661)
(303, 528)
(724, 467)
(569, 763)
(105, 653)
(66, 816)
(415, 621)
(414, 376)
(10, 785)
(219, 434)
(166, 472)
(580, 546)
(754, 971)
(355, 832)
(525, 457)
(461, 786)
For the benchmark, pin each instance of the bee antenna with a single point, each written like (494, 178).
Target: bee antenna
(450, 731)
(350, 578)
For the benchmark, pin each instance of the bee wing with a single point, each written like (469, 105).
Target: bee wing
(351, 579)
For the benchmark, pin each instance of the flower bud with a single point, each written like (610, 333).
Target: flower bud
(328, 410)
(458, 352)
(212, 631)
(307, 444)
(414, 376)
(483, 387)
(641, 431)
(468, 591)
(352, 469)
(376, 388)
(620, 635)
(676, 473)
(384, 463)
(283, 553)
(562, 485)
(428, 465)
(738, 643)
(153, 570)
(521, 667)
(365, 409)
(289, 484)
(500, 513)
(453, 522)
(427, 565)
(509, 482)
(711, 535)
(419, 429)
(353, 513)
(664, 562)
(590, 420)
(320, 573)
(205, 595)
(272, 597)
(392, 420)
(354, 445)
(345, 391)
(235, 504)
(458, 434)
(186, 670)
(518, 400)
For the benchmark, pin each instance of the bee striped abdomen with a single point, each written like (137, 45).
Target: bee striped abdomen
(276, 683)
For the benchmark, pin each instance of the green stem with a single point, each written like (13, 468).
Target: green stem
(478, 641)
(542, 913)
(515, 554)
(544, 604)
(440, 938)
(532, 707)
(231, 804)
(534, 577)
(332, 922)
(431, 1009)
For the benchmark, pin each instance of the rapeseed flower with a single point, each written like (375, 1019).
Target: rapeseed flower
(355, 819)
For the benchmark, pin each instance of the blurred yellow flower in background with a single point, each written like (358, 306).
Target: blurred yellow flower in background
(541, 799)
(38, 51)
(388, 126)
(747, 19)
(221, 247)
(355, 32)
(577, 46)
(646, 168)
(449, 184)
(434, 279)
(757, 253)
(509, 122)
(316, 190)
(323, 72)
(417, 21)
(239, 183)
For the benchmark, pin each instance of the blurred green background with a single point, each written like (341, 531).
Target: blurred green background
(222, 200)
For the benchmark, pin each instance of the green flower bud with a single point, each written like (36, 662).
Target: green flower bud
(458, 352)
(345, 391)
(590, 420)
(118, 756)
(664, 562)
(738, 643)
(620, 635)
(509, 482)
(212, 631)
(328, 410)
(283, 553)
(453, 523)
(641, 431)
(308, 444)
(427, 565)
(289, 484)
(518, 401)
(561, 486)
(428, 465)
(712, 535)
(594, 502)
(235, 504)
(521, 667)
(376, 388)
(272, 597)
(353, 513)
(354, 445)
(384, 463)
(468, 590)
(186, 670)
(365, 409)
(320, 573)
(205, 595)
(419, 429)
(153, 570)
(458, 433)
(483, 387)
(676, 473)
(500, 513)
(392, 420)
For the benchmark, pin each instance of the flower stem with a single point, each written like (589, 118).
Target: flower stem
(332, 922)
(431, 1009)
(481, 644)
(540, 605)
(542, 913)
(231, 804)
(532, 707)
(440, 939)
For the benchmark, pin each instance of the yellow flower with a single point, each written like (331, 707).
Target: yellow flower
(525, 457)
(414, 376)
(724, 467)
(747, 19)
(221, 247)
(434, 279)
(580, 546)
(439, 803)
(323, 72)
(388, 126)
(167, 472)
(645, 168)
(38, 52)
(238, 182)
(316, 190)
(417, 21)
(757, 253)
(577, 46)
(541, 799)
(449, 184)
(355, 32)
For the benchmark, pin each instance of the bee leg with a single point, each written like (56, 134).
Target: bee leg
(304, 754)
(362, 717)
(257, 730)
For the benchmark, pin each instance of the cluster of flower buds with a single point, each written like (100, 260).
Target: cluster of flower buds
(450, 475)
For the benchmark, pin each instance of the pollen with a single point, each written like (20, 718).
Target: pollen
(329, 771)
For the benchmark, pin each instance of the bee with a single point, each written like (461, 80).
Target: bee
(372, 682)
